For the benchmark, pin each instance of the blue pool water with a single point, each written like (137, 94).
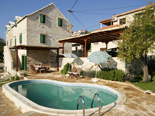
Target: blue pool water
(61, 95)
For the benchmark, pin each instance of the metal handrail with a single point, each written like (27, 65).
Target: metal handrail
(98, 101)
(83, 104)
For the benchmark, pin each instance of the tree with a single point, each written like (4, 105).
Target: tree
(2, 44)
(139, 38)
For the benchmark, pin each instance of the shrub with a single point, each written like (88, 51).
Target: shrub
(65, 69)
(16, 77)
(89, 73)
(112, 74)
(119, 75)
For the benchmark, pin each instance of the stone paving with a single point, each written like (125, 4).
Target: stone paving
(7, 108)
(137, 103)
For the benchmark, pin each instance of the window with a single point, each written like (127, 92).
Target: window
(59, 22)
(15, 23)
(42, 38)
(122, 21)
(10, 42)
(7, 43)
(42, 18)
(20, 38)
(15, 41)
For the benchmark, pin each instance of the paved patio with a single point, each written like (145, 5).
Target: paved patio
(137, 103)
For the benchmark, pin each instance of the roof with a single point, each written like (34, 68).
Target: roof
(107, 27)
(106, 22)
(105, 34)
(125, 13)
(39, 11)
(131, 11)
(30, 47)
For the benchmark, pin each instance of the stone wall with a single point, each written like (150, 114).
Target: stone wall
(50, 28)
(41, 57)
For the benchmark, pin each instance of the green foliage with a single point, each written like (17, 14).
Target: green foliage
(139, 36)
(146, 86)
(112, 74)
(88, 73)
(16, 77)
(2, 44)
(65, 69)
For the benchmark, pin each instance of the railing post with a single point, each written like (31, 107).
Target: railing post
(83, 104)
(98, 101)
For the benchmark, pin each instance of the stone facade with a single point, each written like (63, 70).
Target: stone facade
(30, 27)
(41, 57)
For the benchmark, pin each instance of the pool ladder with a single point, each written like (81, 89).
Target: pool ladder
(81, 97)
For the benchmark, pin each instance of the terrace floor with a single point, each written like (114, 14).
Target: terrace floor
(137, 103)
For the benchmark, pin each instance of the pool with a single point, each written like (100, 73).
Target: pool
(54, 97)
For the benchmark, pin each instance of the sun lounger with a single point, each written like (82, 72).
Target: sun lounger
(72, 71)
(77, 74)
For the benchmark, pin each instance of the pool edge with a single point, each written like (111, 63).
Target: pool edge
(25, 106)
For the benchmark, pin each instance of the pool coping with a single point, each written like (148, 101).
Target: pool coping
(26, 105)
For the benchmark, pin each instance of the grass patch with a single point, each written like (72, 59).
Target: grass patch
(4, 82)
(138, 81)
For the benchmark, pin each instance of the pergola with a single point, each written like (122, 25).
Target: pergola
(30, 47)
(106, 34)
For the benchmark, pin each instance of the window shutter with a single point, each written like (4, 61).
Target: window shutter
(42, 38)
(59, 22)
(25, 63)
(15, 23)
(22, 63)
(20, 38)
(42, 18)
(15, 41)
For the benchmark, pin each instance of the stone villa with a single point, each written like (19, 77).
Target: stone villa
(40, 29)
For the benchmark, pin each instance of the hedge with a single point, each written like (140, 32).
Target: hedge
(114, 75)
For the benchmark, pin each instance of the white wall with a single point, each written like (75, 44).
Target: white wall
(112, 63)
(8, 61)
(20, 29)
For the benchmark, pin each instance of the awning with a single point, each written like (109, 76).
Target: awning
(31, 47)
(106, 34)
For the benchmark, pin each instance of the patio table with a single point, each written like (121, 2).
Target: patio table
(43, 68)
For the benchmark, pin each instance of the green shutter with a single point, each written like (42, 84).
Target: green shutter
(59, 22)
(20, 38)
(42, 38)
(10, 42)
(25, 63)
(22, 67)
(15, 23)
(7, 43)
(15, 41)
(42, 18)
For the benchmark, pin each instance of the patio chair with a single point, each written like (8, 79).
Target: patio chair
(35, 70)
(77, 74)
(72, 71)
